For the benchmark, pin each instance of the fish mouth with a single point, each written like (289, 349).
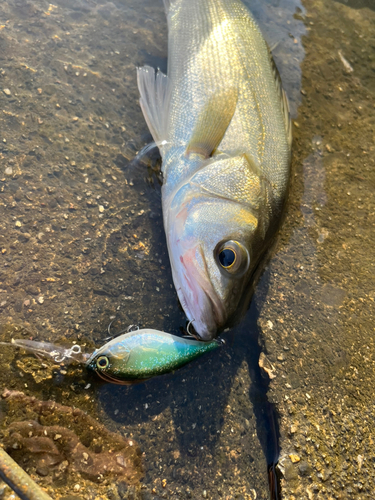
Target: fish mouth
(197, 296)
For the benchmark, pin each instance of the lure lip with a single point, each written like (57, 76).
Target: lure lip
(111, 380)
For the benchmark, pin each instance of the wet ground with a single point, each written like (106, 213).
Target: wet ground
(82, 241)
(317, 313)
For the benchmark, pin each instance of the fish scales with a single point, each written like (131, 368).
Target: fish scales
(224, 46)
(223, 129)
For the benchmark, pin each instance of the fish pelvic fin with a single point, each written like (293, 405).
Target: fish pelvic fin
(154, 89)
(213, 122)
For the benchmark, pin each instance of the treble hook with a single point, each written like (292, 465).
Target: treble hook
(130, 328)
(197, 337)
(190, 334)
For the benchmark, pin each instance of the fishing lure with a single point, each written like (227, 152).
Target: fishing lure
(129, 358)
(143, 354)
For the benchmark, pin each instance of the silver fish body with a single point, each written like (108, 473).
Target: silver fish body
(221, 122)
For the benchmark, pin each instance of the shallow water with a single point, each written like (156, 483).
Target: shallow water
(82, 242)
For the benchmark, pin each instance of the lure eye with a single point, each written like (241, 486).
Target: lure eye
(102, 362)
(233, 258)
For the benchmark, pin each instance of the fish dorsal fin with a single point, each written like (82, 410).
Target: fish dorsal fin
(283, 99)
(213, 122)
(155, 97)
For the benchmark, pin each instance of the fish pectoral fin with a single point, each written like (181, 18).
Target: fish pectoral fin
(213, 122)
(155, 92)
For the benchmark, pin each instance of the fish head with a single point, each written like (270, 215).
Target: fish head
(212, 243)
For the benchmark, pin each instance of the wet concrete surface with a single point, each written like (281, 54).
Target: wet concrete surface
(81, 242)
(317, 307)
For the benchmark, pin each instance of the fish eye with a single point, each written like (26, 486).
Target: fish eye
(227, 257)
(233, 258)
(102, 362)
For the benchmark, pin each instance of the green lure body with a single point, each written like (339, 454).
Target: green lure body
(143, 354)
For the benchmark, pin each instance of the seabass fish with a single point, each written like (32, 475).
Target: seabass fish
(221, 121)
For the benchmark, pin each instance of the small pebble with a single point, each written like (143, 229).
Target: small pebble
(41, 299)
(42, 470)
(18, 223)
(294, 458)
(7, 92)
(101, 208)
(9, 171)
(77, 487)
